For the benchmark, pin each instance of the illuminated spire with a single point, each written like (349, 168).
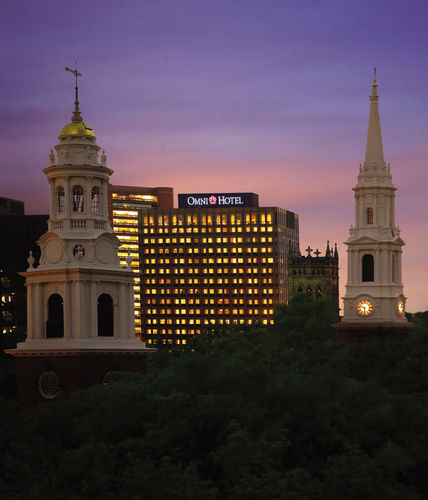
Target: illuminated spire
(374, 149)
(76, 115)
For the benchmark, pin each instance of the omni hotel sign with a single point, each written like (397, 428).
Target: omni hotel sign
(218, 200)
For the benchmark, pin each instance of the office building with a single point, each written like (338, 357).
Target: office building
(217, 260)
(125, 205)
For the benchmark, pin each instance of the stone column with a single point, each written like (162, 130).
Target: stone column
(399, 278)
(88, 208)
(131, 312)
(53, 208)
(377, 267)
(77, 310)
(123, 319)
(67, 197)
(30, 326)
(39, 330)
(67, 309)
(93, 310)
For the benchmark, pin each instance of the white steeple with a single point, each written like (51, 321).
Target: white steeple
(374, 148)
(374, 289)
(79, 296)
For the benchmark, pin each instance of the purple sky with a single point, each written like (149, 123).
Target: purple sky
(236, 95)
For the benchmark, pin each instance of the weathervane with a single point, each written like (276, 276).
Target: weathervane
(76, 115)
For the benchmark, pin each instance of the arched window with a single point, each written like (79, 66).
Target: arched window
(105, 316)
(77, 199)
(55, 322)
(368, 267)
(61, 199)
(95, 199)
(370, 216)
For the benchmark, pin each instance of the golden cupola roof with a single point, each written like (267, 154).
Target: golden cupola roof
(77, 128)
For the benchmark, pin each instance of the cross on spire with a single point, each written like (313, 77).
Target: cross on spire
(309, 250)
(76, 115)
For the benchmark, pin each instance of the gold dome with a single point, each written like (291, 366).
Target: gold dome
(77, 128)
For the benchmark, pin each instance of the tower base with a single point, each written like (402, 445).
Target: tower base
(359, 331)
(42, 375)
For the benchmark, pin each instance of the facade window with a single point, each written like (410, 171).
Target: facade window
(105, 315)
(77, 199)
(61, 199)
(370, 216)
(55, 322)
(368, 268)
(49, 385)
(95, 199)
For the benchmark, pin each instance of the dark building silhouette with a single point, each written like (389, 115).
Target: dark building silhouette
(315, 275)
(19, 234)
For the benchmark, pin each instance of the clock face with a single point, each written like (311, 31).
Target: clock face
(400, 308)
(364, 307)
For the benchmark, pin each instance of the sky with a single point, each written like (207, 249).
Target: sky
(265, 96)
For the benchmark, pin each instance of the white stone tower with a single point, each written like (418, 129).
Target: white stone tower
(374, 291)
(80, 301)
(79, 267)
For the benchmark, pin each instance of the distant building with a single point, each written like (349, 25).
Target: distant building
(125, 206)
(222, 261)
(19, 234)
(9, 206)
(315, 275)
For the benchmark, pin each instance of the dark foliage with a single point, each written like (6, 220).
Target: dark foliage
(282, 412)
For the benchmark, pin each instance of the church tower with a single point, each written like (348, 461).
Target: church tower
(80, 301)
(374, 303)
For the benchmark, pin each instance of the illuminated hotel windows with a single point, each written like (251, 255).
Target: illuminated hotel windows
(227, 258)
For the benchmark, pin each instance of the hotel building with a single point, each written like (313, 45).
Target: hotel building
(125, 205)
(219, 259)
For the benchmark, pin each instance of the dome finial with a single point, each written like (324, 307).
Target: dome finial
(76, 115)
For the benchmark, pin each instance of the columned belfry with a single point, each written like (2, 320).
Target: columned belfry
(374, 303)
(80, 301)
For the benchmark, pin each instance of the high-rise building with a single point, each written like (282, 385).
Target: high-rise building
(316, 275)
(222, 260)
(125, 205)
(374, 303)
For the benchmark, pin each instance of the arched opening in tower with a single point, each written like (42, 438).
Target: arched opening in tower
(368, 268)
(55, 322)
(105, 315)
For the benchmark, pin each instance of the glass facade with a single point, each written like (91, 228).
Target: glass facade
(126, 204)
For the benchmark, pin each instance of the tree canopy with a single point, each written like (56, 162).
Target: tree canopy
(286, 411)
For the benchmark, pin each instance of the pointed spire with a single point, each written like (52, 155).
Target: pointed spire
(374, 149)
(76, 115)
(327, 250)
(336, 253)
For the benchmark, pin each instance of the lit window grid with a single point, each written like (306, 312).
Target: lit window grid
(164, 291)
(124, 222)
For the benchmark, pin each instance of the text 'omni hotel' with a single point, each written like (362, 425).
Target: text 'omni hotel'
(219, 259)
